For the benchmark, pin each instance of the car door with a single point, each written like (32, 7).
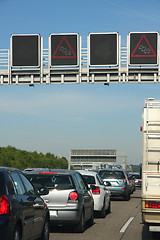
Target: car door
(87, 196)
(38, 207)
(25, 208)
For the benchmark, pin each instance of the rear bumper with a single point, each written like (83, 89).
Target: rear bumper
(151, 216)
(61, 216)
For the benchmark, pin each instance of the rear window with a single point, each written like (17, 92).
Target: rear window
(112, 175)
(1, 184)
(57, 181)
(89, 179)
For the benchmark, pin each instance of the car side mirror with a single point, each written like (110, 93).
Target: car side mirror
(43, 191)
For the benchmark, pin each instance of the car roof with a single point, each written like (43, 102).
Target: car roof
(49, 171)
(86, 172)
(111, 169)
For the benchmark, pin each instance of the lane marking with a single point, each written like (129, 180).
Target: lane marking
(123, 229)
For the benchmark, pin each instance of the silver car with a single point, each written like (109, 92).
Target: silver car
(69, 200)
(101, 194)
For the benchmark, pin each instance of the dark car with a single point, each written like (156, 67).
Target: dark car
(137, 179)
(23, 213)
(117, 182)
(69, 201)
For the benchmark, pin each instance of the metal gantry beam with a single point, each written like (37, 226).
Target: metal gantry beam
(76, 75)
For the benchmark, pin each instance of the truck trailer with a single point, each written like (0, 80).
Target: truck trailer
(150, 198)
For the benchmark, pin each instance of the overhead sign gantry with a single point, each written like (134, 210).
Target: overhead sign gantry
(65, 61)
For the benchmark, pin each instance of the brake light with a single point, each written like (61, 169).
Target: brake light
(73, 196)
(152, 204)
(47, 172)
(96, 190)
(123, 188)
(4, 205)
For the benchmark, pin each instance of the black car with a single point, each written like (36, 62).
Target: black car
(23, 213)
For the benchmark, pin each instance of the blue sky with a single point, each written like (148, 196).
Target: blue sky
(58, 118)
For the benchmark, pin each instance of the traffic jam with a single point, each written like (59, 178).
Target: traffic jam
(34, 200)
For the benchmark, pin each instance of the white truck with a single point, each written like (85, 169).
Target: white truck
(150, 204)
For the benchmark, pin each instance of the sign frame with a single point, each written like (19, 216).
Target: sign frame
(89, 50)
(76, 53)
(129, 50)
(38, 52)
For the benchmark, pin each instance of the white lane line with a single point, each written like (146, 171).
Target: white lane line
(123, 229)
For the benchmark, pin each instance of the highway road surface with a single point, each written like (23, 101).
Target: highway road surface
(123, 223)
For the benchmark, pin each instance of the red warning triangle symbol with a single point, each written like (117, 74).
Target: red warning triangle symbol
(64, 50)
(143, 48)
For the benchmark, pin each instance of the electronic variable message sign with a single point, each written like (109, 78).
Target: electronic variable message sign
(25, 50)
(64, 50)
(143, 48)
(103, 49)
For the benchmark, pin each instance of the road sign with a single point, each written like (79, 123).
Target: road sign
(25, 50)
(143, 48)
(64, 49)
(103, 49)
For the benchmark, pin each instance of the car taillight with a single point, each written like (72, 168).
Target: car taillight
(123, 188)
(73, 196)
(4, 205)
(152, 204)
(96, 190)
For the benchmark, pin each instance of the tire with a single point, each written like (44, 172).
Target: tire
(127, 197)
(109, 207)
(17, 234)
(45, 232)
(91, 220)
(80, 227)
(103, 211)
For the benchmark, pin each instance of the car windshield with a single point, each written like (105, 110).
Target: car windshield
(89, 179)
(1, 184)
(59, 182)
(111, 175)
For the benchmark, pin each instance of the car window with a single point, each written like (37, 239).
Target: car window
(28, 185)
(58, 181)
(112, 174)
(1, 184)
(89, 179)
(99, 180)
(18, 183)
(80, 181)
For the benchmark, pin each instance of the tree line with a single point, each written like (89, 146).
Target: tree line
(21, 159)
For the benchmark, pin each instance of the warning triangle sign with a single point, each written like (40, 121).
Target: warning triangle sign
(64, 50)
(143, 48)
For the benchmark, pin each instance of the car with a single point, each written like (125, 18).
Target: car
(131, 182)
(70, 200)
(23, 213)
(117, 182)
(137, 179)
(101, 194)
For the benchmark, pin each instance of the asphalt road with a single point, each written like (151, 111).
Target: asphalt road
(123, 223)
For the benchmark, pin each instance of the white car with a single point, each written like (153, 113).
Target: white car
(101, 194)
